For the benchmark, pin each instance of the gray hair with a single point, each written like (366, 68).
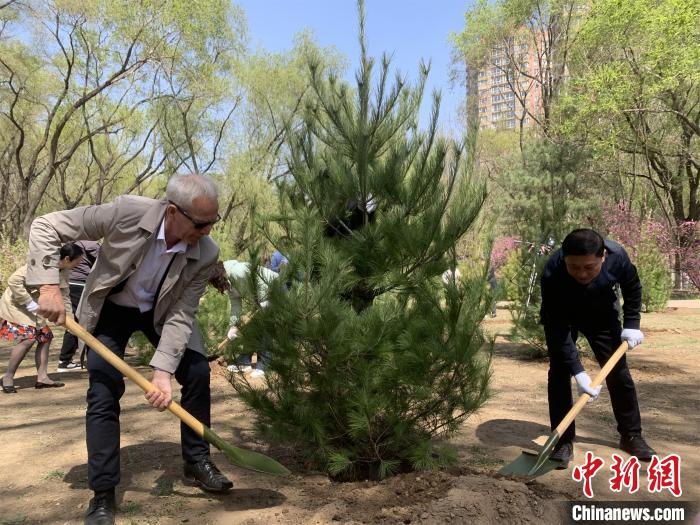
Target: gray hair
(184, 189)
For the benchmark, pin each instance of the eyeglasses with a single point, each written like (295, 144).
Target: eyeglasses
(197, 224)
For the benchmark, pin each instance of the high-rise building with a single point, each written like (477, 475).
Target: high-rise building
(507, 86)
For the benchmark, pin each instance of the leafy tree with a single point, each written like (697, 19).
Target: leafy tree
(274, 90)
(650, 245)
(502, 35)
(84, 97)
(634, 97)
(654, 275)
(371, 356)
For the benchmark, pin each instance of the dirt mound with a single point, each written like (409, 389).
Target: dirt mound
(433, 497)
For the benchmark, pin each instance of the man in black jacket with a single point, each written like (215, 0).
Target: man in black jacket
(578, 295)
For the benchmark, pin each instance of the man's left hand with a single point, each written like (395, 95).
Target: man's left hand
(163, 395)
(633, 337)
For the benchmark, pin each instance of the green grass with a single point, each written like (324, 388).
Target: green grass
(55, 475)
(164, 487)
(17, 520)
(479, 458)
(606, 417)
(131, 507)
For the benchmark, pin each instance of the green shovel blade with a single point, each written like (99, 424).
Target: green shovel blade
(525, 466)
(247, 459)
(532, 465)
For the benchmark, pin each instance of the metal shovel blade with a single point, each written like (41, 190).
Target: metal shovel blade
(244, 458)
(526, 463)
(531, 464)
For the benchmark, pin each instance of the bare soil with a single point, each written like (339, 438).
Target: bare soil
(43, 471)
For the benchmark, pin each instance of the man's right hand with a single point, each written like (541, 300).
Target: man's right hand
(51, 305)
(583, 381)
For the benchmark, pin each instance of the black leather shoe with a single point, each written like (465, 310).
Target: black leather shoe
(206, 476)
(636, 446)
(102, 509)
(563, 453)
(9, 389)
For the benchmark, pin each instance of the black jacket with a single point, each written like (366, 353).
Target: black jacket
(565, 302)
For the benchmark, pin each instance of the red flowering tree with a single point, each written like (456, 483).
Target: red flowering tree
(689, 251)
(655, 249)
(502, 247)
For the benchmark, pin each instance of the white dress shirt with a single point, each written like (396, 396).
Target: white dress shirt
(140, 290)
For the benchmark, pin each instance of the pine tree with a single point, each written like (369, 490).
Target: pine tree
(546, 202)
(371, 355)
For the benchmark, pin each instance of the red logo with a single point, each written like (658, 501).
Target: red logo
(661, 474)
(586, 472)
(625, 474)
(665, 474)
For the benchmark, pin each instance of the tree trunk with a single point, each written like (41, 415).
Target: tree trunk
(677, 273)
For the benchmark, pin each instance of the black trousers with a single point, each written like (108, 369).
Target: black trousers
(70, 342)
(623, 395)
(115, 326)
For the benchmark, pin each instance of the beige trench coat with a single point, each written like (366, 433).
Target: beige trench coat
(128, 227)
(13, 305)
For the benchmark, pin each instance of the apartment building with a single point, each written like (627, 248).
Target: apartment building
(507, 87)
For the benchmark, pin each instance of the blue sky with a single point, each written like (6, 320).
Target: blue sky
(411, 30)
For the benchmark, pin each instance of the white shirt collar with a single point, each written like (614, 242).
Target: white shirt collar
(180, 247)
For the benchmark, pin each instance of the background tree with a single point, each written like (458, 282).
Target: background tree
(275, 89)
(371, 357)
(546, 200)
(635, 98)
(502, 35)
(82, 87)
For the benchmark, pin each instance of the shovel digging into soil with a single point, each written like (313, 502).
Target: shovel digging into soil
(240, 457)
(531, 464)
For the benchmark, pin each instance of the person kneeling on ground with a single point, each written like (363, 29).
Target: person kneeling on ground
(20, 321)
(578, 296)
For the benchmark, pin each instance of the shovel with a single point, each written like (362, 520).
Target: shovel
(223, 344)
(531, 464)
(240, 457)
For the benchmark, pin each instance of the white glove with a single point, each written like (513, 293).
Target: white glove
(583, 382)
(448, 275)
(263, 304)
(232, 333)
(633, 337)
(32, 306)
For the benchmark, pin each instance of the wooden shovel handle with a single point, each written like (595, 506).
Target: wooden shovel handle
(131, 373)
(581, 402)
(225, 342)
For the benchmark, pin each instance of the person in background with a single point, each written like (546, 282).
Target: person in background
(578, 296)
(278, 260)
(493, 284)
(22, 323)
(451, 276)
(238, 275)
(77, 284)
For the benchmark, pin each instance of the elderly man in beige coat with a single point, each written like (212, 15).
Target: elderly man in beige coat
(155, 261)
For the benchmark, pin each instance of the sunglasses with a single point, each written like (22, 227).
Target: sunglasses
(197, 224)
